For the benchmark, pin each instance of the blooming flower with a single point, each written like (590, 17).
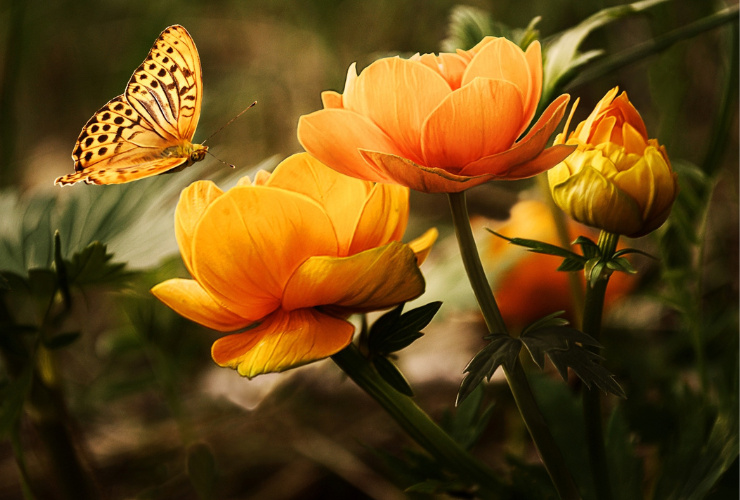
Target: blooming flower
(291, 256)
(617, 180)
(528, 285)
(439, 123)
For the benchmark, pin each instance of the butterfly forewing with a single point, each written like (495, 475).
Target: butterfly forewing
(148, 130)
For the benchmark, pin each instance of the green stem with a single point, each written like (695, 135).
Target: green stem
(592, 313)
(416, 423)
(535, 422)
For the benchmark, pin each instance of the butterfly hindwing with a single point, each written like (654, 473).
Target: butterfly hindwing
(148, 130)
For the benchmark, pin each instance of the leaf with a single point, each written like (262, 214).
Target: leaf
(392, 375)
(570, 264)
(469, 25)
(395, 331)
(587, 365)
(467, 423)
(13, 397)
(201, 466)
(539, 246)
(621, 264)
(560, 53)
(62, 340)
(61, 270)
(626, 251)
(625, 468)
(92, 266)
(542, 340)
(501, 350)
(589, 248)
(549, 320)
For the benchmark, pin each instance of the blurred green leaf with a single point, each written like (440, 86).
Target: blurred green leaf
(469, 25)
(62, 340)
(621, 264)
(560, 52)
(392, 375)
(202, 471)
(12, 399)
(466, 423)
(501, 350)
(625, 467)
(93, 266)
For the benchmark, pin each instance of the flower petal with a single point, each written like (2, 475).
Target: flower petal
(368, 281)
(194, 200)
(383, 218)
(249, 242)
(187, 298)
(427, 180)
(422, 245)
(333, 136)
(533, 55)
(477, 120)
(331, 99)
(397, 95)
(450, 66)
(341, 197)
(527, 148)
(283, 340)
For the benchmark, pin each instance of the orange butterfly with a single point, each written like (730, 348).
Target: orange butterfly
(148, 130)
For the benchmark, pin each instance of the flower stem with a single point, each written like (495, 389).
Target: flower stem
(535, 422)
(417, 423)
(592, 313)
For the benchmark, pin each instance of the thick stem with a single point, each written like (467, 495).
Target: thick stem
(592, 313)
(535, 422)
(416, 423)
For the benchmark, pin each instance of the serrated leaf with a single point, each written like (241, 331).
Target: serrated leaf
(541, 341)
(587, 365)
(392, 375)
(501, 350)
(570, 264)
(62, 340)
(552, 319)
(394, 331)
(201, 467)
(539, 246)
(93, 266)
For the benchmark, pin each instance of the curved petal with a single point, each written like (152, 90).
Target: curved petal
(480, 119)
(427, 180)
(450, 66)
(331, 99)
(533, 55)
(527, 148)
(333, 136)
(383, 218)
(422, 245)
(283, 340)
(591, 198)
(187, 298)
(368, 281)
(547, 159)
(194, 200)
(397, 95)
(342, 198)
(249, 242)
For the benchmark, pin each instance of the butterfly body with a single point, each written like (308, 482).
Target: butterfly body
(148, 130)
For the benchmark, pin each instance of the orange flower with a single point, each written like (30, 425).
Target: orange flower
(528, 285)
(291, 255)
(439, 123)
(617, 180)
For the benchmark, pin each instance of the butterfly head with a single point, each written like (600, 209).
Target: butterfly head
(198, 153)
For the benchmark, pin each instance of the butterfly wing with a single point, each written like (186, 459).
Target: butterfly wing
(167, 89)
(147, 130)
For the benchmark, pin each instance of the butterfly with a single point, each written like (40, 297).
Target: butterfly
(148, 130)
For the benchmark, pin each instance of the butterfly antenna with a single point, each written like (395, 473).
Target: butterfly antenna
(227, 124)
(219, 159)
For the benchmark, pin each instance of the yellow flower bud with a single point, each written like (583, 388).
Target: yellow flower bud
(617, 179)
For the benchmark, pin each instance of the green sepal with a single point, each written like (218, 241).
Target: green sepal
(621, 264)
(392, 375)
(395, 331)
(501, 350)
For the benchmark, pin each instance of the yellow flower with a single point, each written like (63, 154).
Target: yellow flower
(439, 123)
(291, 255)
(617, 180)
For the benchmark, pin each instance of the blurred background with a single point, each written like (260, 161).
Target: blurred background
(145, 404)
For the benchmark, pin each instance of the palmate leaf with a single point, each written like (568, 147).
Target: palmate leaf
(395, 331)
(93, 266)
(501, 350)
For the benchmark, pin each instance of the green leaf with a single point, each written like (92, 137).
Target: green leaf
(469, 25)
(621, 264)
(61, 270)
(201, 466)
(392, 375)
(625, 468)
(12, 400)
(395, 331)
(587, 365)
(549, 320)
(93, 266)
(539, 246)
(501, 350)
(626, 251)
(62, 340)
(560, 53)
(588, 247)
(467, 423)
(569, 265)
(544, 339)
